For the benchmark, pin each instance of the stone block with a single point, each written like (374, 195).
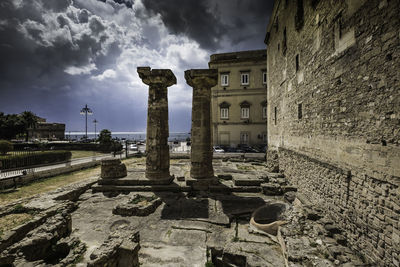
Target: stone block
(271, 189)
(244, 180)
(288, 188)
(112, 169)
(201, 184)
(140, 205)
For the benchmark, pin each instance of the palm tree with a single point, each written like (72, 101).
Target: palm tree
(29, 120)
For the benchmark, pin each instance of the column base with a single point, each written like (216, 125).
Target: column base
(202, 184)
(154, 176)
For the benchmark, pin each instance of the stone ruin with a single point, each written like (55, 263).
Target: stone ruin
(226, 212)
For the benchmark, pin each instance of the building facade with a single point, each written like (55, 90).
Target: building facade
(47, 130)
(334, 114)
(238, 102)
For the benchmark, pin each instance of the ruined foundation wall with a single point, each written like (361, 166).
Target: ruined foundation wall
(334, 113)
(367, 209)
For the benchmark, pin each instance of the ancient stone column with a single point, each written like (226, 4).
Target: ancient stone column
(157, 160)
(201, 152)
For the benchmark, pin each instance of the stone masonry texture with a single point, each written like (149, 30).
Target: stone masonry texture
(201, 152)
(157, 160)
(334, 114)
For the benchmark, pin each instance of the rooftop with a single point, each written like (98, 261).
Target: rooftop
(260, 55)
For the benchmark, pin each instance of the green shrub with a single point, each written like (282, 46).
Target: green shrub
(5, 147)
(34, 158)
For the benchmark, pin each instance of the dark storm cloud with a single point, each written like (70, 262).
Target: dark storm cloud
(57, 55)
(242, 23)
(127, 3)
(192, 18)
(36, 48)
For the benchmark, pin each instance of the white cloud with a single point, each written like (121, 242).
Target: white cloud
(72, 70)
(107, 74)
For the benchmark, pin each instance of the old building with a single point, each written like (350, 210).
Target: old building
(334, 114)
(47, 130)
(239, 111)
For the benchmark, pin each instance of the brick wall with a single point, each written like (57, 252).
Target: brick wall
(334, 113)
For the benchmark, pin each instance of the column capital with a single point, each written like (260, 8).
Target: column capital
(202, 77)
(156, 76)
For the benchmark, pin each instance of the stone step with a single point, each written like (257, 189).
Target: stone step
(135, 181)
(246, 189)
(247, 181)
(140, 188)
(275, 175)
(271, 189)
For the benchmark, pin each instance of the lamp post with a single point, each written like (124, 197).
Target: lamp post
(86, 111)
(95, 129)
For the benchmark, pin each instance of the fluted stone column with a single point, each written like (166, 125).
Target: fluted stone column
(201, 152)
(157, 160)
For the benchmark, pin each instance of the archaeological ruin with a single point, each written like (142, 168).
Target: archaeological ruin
(201, 146)
(326, 193)
(157, 160)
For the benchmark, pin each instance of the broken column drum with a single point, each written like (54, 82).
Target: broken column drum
(157, 160)
(201, 151)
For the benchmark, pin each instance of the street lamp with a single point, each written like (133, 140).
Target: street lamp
(86, 111)
(95, 129)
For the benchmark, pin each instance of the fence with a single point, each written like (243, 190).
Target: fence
(16, 163)
(24, 162)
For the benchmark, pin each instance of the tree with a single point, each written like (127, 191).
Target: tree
(10, 126)
(29, 120)
(105, 137)
(5, 147)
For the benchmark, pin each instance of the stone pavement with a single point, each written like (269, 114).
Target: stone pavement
(76, 225)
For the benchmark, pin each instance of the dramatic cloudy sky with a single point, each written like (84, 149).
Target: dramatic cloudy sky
(58, 55)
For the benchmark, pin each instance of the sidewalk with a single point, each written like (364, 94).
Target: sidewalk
(17, 173)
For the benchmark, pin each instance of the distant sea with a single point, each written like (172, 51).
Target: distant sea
(126, 135)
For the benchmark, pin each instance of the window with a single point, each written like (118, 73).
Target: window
(224, 113)
(244, 113)
(224, 79)
(299, 17)
(300, 111)
(264, 112)
(276, 24)
(244, 78)
(264, 75)
(245, 110)
(284, 42)
(265, 138)
(244, 137)
(275, 115)
(224, 110)
(297, 62)
(264, 109)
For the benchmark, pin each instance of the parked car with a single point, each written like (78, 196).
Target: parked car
(218, 149)
(247, 149)
(230, 149)
(133, 147)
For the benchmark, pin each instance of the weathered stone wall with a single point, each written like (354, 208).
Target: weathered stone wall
(334, 106)
(367, 209)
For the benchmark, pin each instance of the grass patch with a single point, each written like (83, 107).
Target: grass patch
(48, 184)
(209, 264)
(52, 183)
(169, 232)
(10, 221)
(139, 198)
(76, 154)
(245, 167)
(235, 239)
